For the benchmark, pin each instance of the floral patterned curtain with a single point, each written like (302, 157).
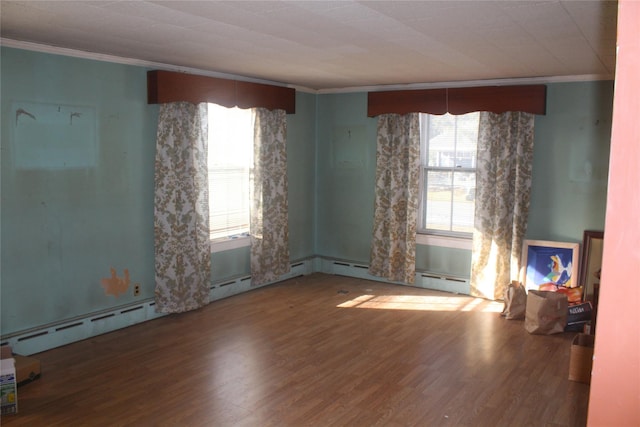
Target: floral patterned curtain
(269, 223)
(503, 187)
(182, 252)
(393, 248)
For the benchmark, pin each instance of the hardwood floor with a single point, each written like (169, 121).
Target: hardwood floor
(318, 350)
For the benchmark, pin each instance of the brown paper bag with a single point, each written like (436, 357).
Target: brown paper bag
(515, 301)
(546, 312)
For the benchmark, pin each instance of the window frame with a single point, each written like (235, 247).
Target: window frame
(449, 238)
(235, 238)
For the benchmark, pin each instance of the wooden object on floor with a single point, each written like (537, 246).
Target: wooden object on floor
(318, 350)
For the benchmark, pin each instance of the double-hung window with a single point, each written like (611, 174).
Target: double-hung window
(448, 150)
(230, 161)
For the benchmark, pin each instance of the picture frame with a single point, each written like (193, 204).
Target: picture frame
(591, 263)
(547, 264)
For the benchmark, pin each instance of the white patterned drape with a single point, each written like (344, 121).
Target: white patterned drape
(503, 188)
(269, 223)
(181, 224)
(393, 247)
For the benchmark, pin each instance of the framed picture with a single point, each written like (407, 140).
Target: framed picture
(550, 265)
(591, 262)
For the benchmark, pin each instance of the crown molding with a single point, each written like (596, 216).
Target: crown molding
(56, 50)
(473, 83)
(37, 47)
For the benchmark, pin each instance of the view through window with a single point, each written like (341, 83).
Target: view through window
(230, 160)
(448, 150)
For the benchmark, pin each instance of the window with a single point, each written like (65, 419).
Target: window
(448, 148)
(230, 162)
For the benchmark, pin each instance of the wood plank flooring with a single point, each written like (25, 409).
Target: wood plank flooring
(318, 350)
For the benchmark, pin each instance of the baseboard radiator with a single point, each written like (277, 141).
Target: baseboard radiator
(423, 279)
(439, 282)
(58, 334)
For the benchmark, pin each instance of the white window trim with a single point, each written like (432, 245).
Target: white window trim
(227, 243)
(431, 237)
(444, 241)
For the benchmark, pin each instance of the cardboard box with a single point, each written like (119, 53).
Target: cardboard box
(27, 369)
(581, 358)
(8, 387)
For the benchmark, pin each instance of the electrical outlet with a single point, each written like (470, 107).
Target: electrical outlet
(136, 289)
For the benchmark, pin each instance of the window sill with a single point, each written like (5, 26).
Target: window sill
(227, 243)
(444, 241)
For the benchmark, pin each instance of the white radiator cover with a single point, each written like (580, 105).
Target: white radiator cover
(424, 280)
(438, 282)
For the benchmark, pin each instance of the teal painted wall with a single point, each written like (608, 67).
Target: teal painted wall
(77, 192)
(301, 157)
(571, 162)
(448, 261)
(230, 264)
(346, 169)
(68, 218)
(73, 209)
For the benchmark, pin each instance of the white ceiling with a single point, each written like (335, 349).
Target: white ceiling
(328, 45)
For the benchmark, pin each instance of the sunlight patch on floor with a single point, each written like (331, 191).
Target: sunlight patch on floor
(423, 303)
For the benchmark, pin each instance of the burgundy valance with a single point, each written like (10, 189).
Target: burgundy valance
(497, 99)
(170, 86)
